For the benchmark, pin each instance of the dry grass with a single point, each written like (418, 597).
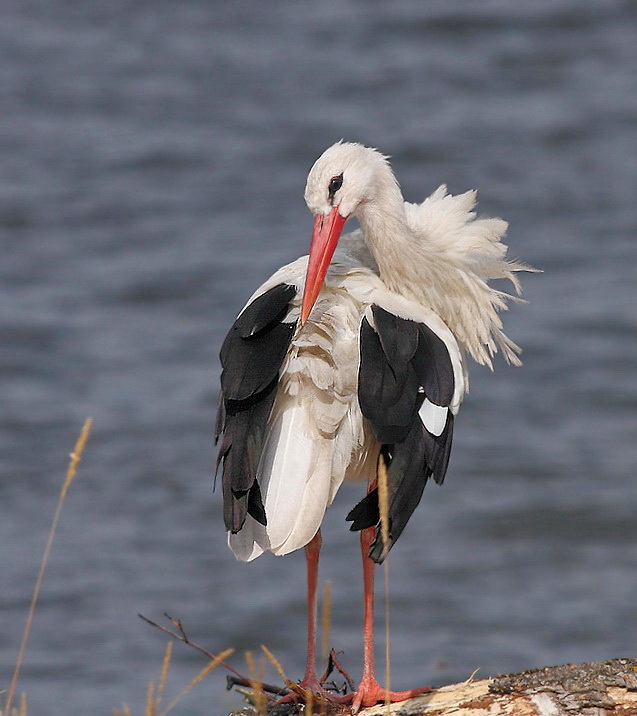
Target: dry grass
(76, 456)
(383, 505)
(153, 695)
(275, 663)
(326, 621)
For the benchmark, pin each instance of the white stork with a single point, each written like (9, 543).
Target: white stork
(354, 354)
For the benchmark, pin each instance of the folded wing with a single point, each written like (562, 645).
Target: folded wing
(251, 356)
(409, 387)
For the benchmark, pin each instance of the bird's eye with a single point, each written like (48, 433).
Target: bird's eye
(335, 184)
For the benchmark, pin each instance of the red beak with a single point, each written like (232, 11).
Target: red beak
(325, 236)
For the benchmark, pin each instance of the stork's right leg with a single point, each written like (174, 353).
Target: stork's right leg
(370, 692)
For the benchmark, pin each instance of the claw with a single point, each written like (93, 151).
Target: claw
(370, 693)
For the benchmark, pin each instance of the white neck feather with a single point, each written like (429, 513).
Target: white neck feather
(438, 254)
(387, 236)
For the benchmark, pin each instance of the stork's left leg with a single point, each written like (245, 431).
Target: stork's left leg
(370, 692)
(311, 682)
(312, 552)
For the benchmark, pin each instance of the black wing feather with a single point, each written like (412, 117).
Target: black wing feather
(264, 311)
(366, 513)
(407, 476)
(387, 389)
(402, 362)
(438, 450)
(251, 357)
(398, 337)
(257, 333)
(433, 365)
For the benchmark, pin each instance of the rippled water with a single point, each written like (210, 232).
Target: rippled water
(154, 156)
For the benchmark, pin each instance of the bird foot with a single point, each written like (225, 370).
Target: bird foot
(370, 693)
(312, 688)
(311, 691)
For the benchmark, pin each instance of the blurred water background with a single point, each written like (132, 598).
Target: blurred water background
(153, 160)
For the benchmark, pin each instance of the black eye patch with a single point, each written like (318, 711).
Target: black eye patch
(335, 184)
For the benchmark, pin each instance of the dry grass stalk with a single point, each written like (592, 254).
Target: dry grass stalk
(181, 635)
(76, 456)
(164, 672)
(387, 645)
(327, 616)
(124, 712)
(383, 502)
(262, 698)
(153, 697)
(325, 631)
(259, 697)
(151, 709)
(199, 677)
(383, 505)
(276, 664)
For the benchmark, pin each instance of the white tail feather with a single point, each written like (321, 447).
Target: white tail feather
(250, 542)
(286, 463)
(314, 502)
(294, 475)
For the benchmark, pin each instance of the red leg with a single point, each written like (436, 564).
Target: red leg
(312, 552)
(311, 681)
(370, 692)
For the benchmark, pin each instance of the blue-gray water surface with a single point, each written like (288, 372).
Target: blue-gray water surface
(153, 161)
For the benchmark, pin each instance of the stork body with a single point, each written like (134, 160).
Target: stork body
(354, 354)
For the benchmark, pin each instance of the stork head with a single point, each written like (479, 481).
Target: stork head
(343, 179)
